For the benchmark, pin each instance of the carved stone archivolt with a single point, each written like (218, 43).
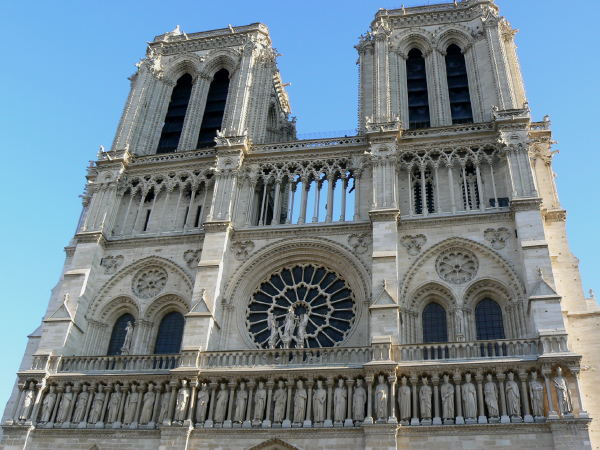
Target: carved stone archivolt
(360, 242)
(497, 237)
(111, 263)
(149, 282)
(457, 266)
(241, 249)
(413, 244)
(192, 257)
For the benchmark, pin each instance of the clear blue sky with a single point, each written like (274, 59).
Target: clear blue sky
(64, 82)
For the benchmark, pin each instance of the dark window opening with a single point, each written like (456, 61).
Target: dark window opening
(416, 82)
(171, 132)
(458, 86)
(502, 202)
(488, 319)
(214, 109)
(417, 191)
(435, 328)
(147, 220)
(197, 219)
(470, 187)
(117, 337)
(170, 332)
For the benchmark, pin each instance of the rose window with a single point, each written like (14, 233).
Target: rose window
(299, 307)
(149, 282)
(457, 266)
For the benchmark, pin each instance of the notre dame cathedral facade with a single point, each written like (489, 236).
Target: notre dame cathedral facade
(231, 286)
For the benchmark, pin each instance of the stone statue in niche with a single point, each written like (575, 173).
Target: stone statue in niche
(65, 405)
(469, 397)
(458, 321)
(381, 399)
(131, 406)
(221, 403)
(536, 392)
(490, 394)
(289, 325)
(240, 403)
(81, 405)
(126, 347)
(300, 402)
(164, 406)
(565, 405)
(513, 396)
(28, 401)
(148, 405)
(340, 398)
(319, 397)
(183, 398)
(425, 399)
(260, 401)
(301, 331)
(404, 399)
(279, 400)
(97, 405)
(113, 404)
(359, 400)
(447, 393)
(202, 403)
(273, 330)
(48, 404)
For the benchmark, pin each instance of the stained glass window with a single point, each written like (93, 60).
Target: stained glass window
(435, 327)
(170, 332)
(488, 318)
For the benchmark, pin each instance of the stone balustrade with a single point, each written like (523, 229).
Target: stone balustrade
(505, 348)
(380, 392)
(137, 363)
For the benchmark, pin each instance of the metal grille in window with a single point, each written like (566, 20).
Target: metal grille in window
(418, 188)
(169, 335)
(299, 307)
(458, 86)
(435, 328)
(416, 84)
(171, 132)
(117, 337)
(488, 318)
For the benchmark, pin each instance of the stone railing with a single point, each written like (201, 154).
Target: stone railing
(346, 141)
(449, 131)
(334, 356)
(131, 363)
(506, 348)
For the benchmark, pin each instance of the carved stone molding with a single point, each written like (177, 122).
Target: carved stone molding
(497, 237)
(413, 244)
(191, 257)
(149, 282)
(360, 242)
(456, 265)
(241, 249)
(111, 263)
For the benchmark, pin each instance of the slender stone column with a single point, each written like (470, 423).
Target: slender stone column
(318, 185)
(435, 380)
(349, 422)
(287, 423)
(76, 389)
(173, 398)
(451, 188)
(527, 417)
(211, 407)
(59, 393)
(267, 422)
(107, 393)
(303, 201)
(502, 394)
(343, 204)
(582, 411)
(392, 382)
(329, 420)
(277, 203)
(482, 418)
(190, 414)
(307, 421)
(357, 174)
(552, 414)
(228, 423)
(413, 388)
(330, 187)
(460, 420)
(92, 391)
(158, 389)
(16, 408)
(248, 422)
(40, 388)
(480, 188)
(369, 382)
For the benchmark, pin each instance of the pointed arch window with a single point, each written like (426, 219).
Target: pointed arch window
(435, 326)
(117, 337)
(458, 86)
(470, 187)
(416, 83)
(488, 320)
(423, 189)
(171, 132)
(170, 332)
(214, 109)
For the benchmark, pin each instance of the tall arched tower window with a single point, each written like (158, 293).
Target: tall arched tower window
(435, 327)
(416, 83)
(458, 86)
(214, 109)
(170, 332)
(117, 337)
(171, 132)
(422, 185)
(488, 320)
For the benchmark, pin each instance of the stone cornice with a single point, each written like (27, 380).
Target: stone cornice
(306, 230)
(443, 221)
(91, 237)
(525, 204)
(195, 237)
(554, 215)
(384, 215)
(217, 226)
